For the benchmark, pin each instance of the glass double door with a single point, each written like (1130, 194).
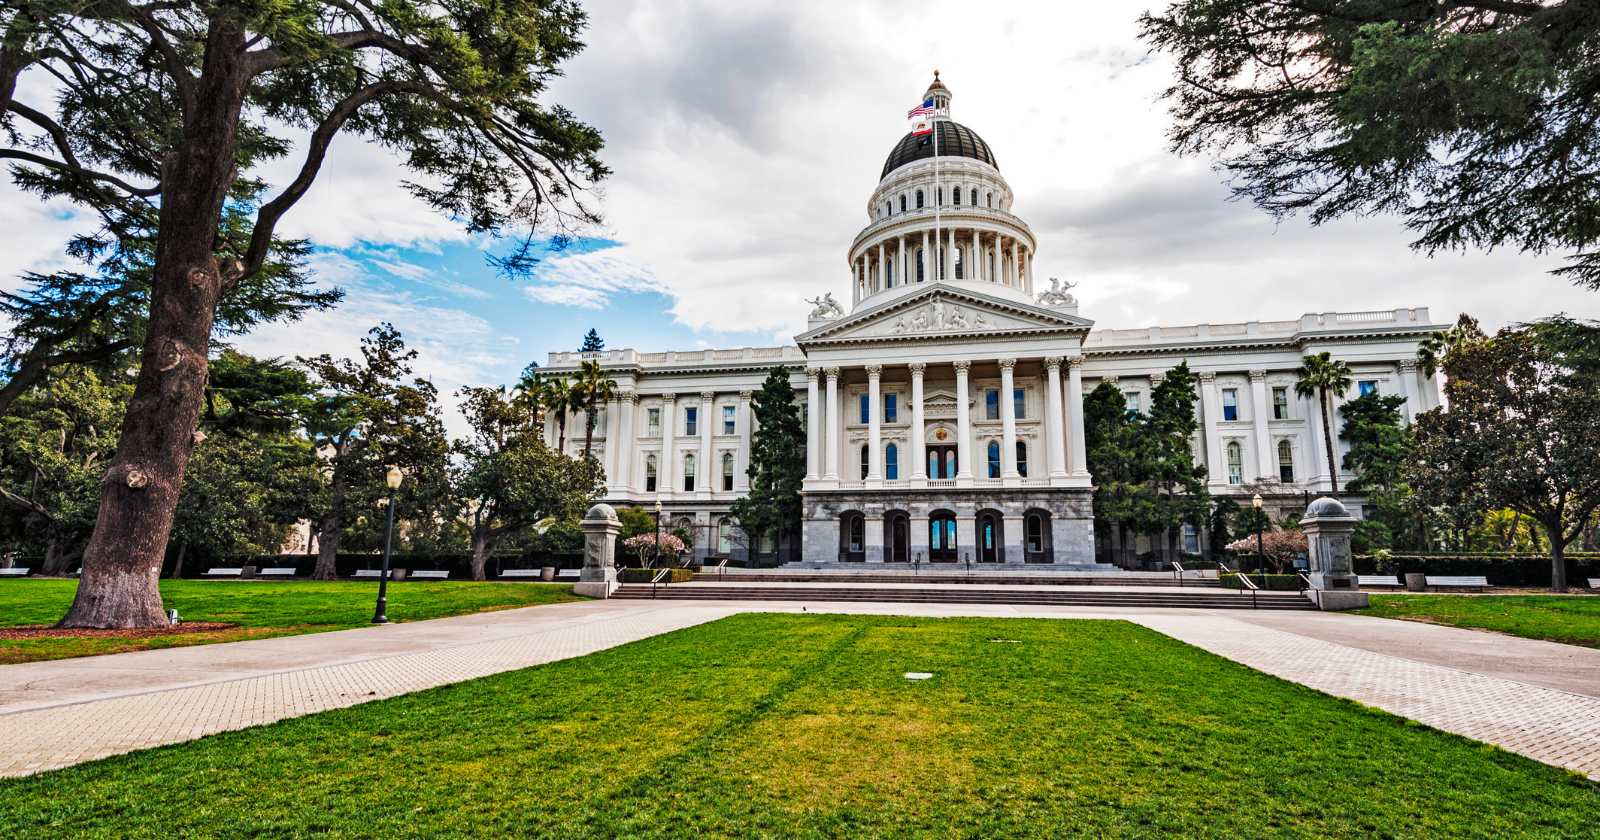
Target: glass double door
(942, 538)
(942, 462)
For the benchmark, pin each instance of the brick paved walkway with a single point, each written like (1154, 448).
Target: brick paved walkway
(53, 714)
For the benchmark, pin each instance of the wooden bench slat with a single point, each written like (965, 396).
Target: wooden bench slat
(278, 572)
(15, 571)
(1378, 580)
(519, 573)
(432, 575)
(1462, 581)
(225, 571)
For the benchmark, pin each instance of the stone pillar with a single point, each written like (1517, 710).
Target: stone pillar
(880, 279)
(1079, 464)
(1012, 549)
(872, 538)
(708, 472)
(919, 455)
(1008, 424)
(741, 458)
(1027, 272)
(831, 444)
(950, 268)
(629, 433)
(963, 427)
(1328, 526)
(901, 258)
(1259, 410)
(977, 261)
(966, 534)
(598, 579)
(1311, 409)
(1055, 449)
(927, 256)
(1407, 374)
(667, 470)
(1216, 471)
(874, 428)
(613, 436)
(1016, 264)
(917, 545)
(813, 427)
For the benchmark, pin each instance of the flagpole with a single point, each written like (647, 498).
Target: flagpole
(938, 199)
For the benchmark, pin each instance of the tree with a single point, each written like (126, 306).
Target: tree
(558, 397)
(365, 418)
(1432, 349)
(777, 468)
(592, 342)
(1522, 431)
(1380, 448)
(1473, 121)
(592, 390)
(1168, 435)
(1323, 376)
(1113, 453)
(156, 118)
(508, 478)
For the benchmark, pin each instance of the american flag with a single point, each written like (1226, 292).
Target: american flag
(923, 110)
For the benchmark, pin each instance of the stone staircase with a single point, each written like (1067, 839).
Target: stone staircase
(1188, 597)
(976, 578)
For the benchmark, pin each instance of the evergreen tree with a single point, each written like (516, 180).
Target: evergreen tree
(777, 465)
(1168, 436)
(1112, 448)
(592, 343)
(1380, 447)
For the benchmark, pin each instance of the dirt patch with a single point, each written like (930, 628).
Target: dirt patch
(47, 632)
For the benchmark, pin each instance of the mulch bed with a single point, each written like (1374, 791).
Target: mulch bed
(47, 632)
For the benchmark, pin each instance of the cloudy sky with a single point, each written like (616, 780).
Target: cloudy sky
(746, 139)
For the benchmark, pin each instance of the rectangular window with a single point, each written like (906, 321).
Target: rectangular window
(1280, 403)
(729, 426)
(691, 421)
(1130, 400)
(1368, 386)
(890, 410)
(1191, 539)
(991, 404)
(652, 422)
(1018, 400)
(1230, 404)
(866, 409)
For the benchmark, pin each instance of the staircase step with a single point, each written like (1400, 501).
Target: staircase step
(1196, 599)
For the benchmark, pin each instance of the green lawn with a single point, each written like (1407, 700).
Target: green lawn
(784, 725)
(1574, 619)
(256, 608)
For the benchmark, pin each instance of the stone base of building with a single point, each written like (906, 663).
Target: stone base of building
(1052, 527)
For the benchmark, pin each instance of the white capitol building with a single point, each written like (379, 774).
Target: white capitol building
(944, 410)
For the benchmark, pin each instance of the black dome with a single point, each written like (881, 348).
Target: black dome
(955, 140)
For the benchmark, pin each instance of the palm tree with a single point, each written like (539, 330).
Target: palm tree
(557, 398)
(592, 389)
(1320, 375)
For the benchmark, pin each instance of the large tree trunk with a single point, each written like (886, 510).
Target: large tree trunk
(1558, 559)
(1327, 439)
(58, 557)
(481, 544)
(330, 529)
(588, 432)
(140, 490)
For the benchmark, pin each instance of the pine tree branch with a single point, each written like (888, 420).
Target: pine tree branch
(81, 172)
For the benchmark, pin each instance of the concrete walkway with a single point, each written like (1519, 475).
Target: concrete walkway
(1535, 698)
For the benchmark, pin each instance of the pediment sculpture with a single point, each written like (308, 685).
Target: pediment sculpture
(1057, 294)
(939, 316)
(826, 308)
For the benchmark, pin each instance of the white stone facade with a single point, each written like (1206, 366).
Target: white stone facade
(944, 410)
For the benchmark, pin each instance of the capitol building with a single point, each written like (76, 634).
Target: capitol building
(944, 408)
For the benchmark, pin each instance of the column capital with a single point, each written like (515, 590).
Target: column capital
(917, 368)
(629, 397)
(832, 372)
(961, 365)
(1008, 364)
(1075, 361)
(1408, 365)
(669, 397)
(1053, 362)
(708, 396)
(874, 371)
(1258, 375)
(812, 373)
(744, 396)
(1158, 377)
(1208, 376)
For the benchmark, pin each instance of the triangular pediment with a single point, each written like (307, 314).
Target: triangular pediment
(938, 312)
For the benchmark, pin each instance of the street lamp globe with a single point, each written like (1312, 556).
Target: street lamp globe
(1256, 502)
(393, 477)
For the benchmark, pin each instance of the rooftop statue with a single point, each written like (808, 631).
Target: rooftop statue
(1057, 294)
(826, 307)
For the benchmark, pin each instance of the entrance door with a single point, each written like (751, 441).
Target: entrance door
(942, 538)
(988, 538)
(899, 538)
(941, 462)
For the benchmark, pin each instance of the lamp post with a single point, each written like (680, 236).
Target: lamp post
(1261, 553)
(380, 615)
(658, 533)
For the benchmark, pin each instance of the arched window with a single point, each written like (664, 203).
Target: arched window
(858, 532)
(938, 196)
(933, 464)
(866, 455)
(959, 263)
(1022, 459)
(891, 463)
(1235, 463)
(727, 472)
(990, 199)
(920, 268)
(919, 199)
(725, 536)
(955, 196)
(902, 203)
(994, 459)
(1285, 461)
(1035, 533)
(688, 473)
(650, 474)
(888, 273)
(974, 201)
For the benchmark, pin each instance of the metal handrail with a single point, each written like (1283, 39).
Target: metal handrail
(722, 568)
(1177, 569)
(1305, 580)
(664, 573)
(1248, 583)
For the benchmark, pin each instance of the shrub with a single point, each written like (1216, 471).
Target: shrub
(1276, 583)
(647, 575)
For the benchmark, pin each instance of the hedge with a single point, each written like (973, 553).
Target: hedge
(679, 575)
(459, 564)
(1277, 583)
(1501, 569)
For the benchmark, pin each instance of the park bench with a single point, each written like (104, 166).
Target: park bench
(277, 571)
(428, 574)
(1457, 581)
(1594, 583)
(370, 573)
(224, 571)
(15, 571)
(568, 574)
(1377, 580)
(519, 573)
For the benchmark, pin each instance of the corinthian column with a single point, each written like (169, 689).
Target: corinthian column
(1052, 418)
(919, 455)
(963, 427)
(1080, 454)
(1008, 422)
(813, 427)
(1216, 472)
(741, 461)
(874, 428)
(831, 446)
(1258, 417)
(708, 471)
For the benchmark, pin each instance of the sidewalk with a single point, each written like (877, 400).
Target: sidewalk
(1535, 698)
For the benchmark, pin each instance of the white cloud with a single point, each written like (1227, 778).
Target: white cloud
(589, 279)
(582, 297)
